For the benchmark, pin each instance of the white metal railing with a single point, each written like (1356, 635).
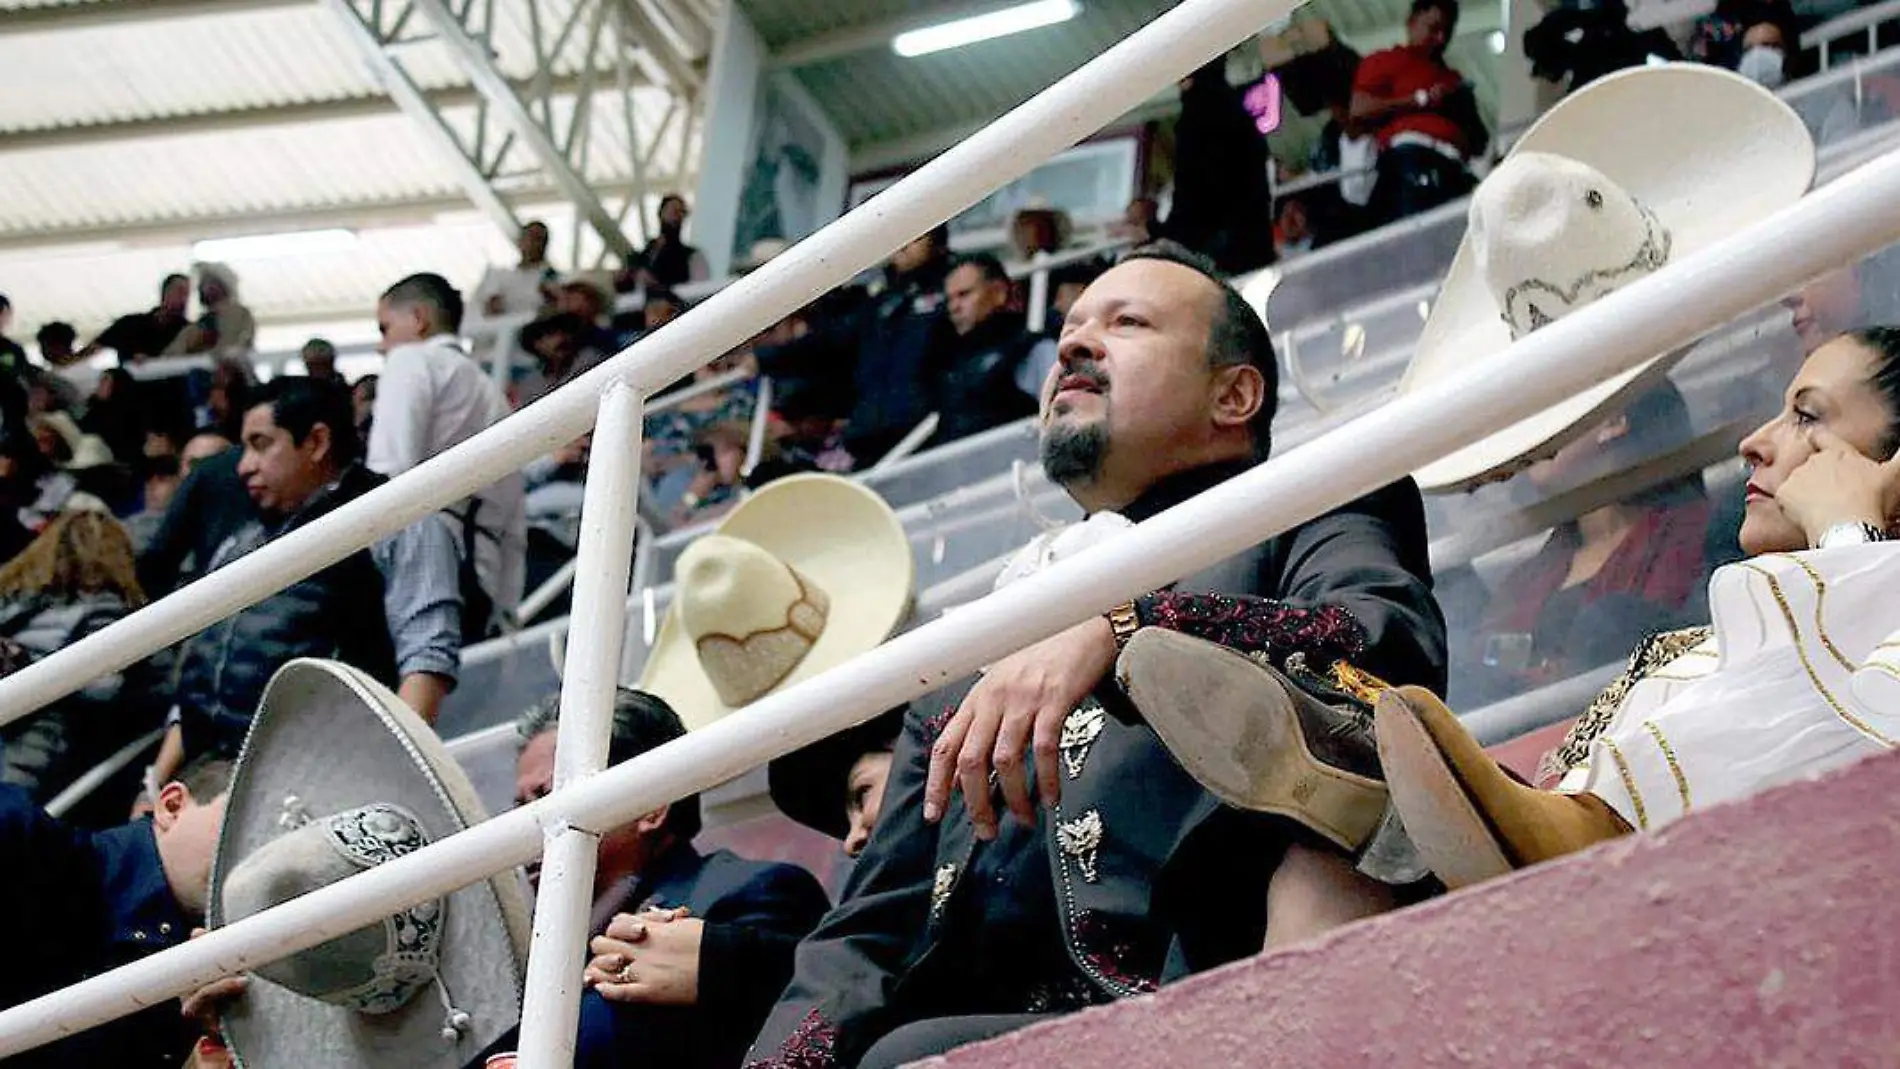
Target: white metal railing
(565, 824)
(1694, 295)
(1866, 20)
(1688, 298)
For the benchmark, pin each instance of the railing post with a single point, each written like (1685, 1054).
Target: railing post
(565, 902)
(1039, 293)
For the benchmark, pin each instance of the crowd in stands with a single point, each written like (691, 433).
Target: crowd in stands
(1088, 819)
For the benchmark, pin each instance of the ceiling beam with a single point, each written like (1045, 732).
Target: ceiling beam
(125, 12)
(212, 122)
(870, 36)
(413, 211)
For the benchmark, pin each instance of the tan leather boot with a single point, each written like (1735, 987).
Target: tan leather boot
(1470, 820)
(1253, 738)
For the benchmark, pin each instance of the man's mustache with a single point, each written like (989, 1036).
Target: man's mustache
(1092, 375)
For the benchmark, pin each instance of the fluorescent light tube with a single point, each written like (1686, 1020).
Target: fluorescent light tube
(976, 28)
(266, 246)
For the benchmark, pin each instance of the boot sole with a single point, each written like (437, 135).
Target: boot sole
(1232, 727)
(1453, 837)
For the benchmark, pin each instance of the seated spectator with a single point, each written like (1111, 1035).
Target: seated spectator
(1718, 38)
(716, 486)
(1293, 234)
(115, 413)
(89, 903)
(432, 397)
(672, 453)
(524, 288)
(1617, 572)
(805, 433)
(142, 335)
(163, 471)
(835, 786)
(896, 334)
(393, 610)
(58, 439)
(562, 347)
(21, 467)
(978, 371)
(1065, 286)
(689, 948)
(77, 577)
(224, 326)
(1711, 714)
(987, 917)
(668, 262)
(1576, 44)
(1039, 229)
(363, 396)
(209, 506)
(319, 360)
(1423, 113)
(1140, 222)
(222, 396)
(15, 370)
(58, 386)
(662, 307)
(1222, 207)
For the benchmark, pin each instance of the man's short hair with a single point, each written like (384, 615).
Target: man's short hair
(320, 347)
(988, 267)
(171, 278)
(298, 403)
(57, 333)
(1236, 336)
(666, 296)
(433, 292)
(642, 722)
(1449, 7)
(206, 777)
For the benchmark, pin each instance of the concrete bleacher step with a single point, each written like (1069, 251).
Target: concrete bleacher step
(1755, 934)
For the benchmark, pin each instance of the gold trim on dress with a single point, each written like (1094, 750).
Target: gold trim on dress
(1669, 755)
(1814, 677)
(1650, 655)
(1820, 594)
(1629, 782)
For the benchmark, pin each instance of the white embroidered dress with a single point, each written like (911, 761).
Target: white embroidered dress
(1801, 675)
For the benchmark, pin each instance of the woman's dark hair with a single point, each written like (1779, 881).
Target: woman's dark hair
(1883, 343)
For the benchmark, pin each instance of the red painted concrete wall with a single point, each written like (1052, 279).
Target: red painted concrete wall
(1765, 933)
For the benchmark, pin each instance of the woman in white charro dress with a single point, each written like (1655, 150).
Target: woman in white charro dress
(1799, 672)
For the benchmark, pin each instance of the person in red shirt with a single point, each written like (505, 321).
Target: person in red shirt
(1423, 114)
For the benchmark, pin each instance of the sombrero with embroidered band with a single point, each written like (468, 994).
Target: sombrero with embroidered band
(338, 775)
(1599, 193)
(808, 572)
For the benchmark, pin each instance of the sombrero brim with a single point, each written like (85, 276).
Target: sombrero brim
(1650, 130)
(839, 535)
(337, 739)
(808, 785)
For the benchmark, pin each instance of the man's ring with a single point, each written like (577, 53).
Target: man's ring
(625, 974)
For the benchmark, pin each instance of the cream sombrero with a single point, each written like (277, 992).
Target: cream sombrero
(805, 574)
(1635, 170)
(337, 775)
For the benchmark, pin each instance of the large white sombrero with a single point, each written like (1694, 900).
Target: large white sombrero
(336, 776)
(805, 574)
(1635, 170)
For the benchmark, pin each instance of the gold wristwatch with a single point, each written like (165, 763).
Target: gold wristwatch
(1124, 622)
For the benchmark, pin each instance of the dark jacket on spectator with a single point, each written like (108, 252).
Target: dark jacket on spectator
(208, 507)
(935, 924)
(973, 376)
(47, 749)
(81, 905)
(755, 914)
(1222, 207)
(900, 327)
(336, 613)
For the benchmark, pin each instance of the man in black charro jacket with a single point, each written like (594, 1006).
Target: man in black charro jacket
(969, 914)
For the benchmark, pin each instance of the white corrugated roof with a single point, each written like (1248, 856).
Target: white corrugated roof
(124, 140)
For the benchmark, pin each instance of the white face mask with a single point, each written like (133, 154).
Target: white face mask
(1764, 66)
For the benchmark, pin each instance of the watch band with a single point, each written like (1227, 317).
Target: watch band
(1124, 621)
(1849, 534)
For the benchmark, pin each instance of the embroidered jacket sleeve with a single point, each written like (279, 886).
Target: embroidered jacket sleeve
(846, 970)
(1353, 584)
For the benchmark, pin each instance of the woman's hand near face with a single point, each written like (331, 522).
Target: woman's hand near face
(1838, 485)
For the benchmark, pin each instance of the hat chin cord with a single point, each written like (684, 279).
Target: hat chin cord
(455, 1023)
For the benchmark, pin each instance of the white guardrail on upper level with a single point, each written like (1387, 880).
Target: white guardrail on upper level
(1688, 298)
